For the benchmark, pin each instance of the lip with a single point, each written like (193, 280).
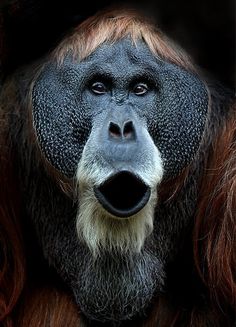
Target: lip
(123, 194)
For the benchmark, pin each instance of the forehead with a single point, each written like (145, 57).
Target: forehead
(121, 55)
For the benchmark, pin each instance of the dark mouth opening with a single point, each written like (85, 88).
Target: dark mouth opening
(123, 194)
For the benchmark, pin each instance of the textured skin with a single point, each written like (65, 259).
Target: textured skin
(174, 110)
(65, 114)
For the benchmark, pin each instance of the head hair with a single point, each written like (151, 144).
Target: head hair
(113, 25)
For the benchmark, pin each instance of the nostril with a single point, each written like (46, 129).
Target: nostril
(128, 130)
(114, 130)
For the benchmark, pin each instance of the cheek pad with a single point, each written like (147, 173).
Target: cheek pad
(177, 119)
(62, 121)
(61, 125)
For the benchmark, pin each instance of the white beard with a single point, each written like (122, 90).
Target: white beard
(97, 228)
(101, 231)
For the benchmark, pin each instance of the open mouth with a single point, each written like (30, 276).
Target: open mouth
(123, 194)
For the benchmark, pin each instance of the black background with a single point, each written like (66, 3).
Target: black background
(205, 28)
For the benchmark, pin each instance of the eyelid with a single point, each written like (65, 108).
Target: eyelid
(102, 78)
(99, 78)
(142, 79)
(144, 88)
(142, 84)
(98, 83)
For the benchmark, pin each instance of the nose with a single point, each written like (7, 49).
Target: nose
(119, 131)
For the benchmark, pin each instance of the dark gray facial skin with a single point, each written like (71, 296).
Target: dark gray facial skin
(174, 108)
(66, 111)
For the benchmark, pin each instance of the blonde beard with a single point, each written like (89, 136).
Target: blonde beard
(100, 230)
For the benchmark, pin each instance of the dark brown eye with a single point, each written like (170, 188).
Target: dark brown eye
(140, 89)
(98, 88)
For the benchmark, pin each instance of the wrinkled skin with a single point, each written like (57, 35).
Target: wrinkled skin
(82, 130)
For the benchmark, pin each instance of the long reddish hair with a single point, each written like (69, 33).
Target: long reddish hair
(23, 303)
(215, 228)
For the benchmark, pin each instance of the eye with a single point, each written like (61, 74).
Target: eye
(140, 89)
(98, 88)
